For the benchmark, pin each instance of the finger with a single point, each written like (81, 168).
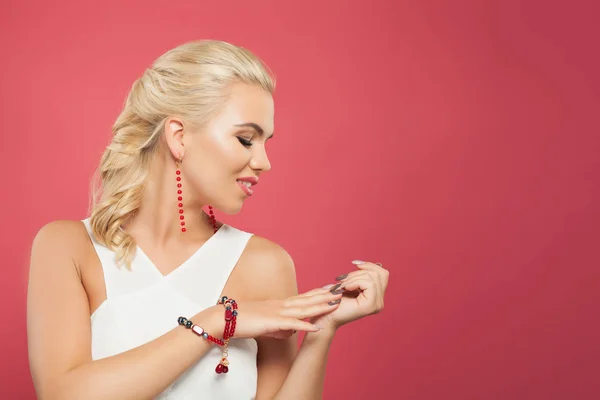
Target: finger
(324, 289)
(281, 334)
(367, 274)
(286, 324)
(365, 283)
(304, 301)
(311, 311)
(343, 277)
(366, 265)
(352, 275)
(382, 273)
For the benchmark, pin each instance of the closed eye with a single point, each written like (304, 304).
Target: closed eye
(244, 142)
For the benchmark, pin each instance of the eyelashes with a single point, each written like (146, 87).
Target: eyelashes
(244, 142)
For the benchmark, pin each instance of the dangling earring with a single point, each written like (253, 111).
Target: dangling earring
(179, 192)
(213, 219)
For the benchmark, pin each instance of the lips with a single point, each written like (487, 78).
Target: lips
(246, 183)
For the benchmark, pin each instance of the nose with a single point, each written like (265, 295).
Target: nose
(259, 160)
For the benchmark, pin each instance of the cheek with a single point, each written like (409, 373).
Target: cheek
(218, 160)
(230, 156)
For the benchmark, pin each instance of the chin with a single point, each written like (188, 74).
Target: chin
(231, 208)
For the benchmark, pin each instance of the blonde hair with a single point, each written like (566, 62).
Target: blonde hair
(190, 82)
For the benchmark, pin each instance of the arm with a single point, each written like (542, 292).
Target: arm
(283, 371)
(59, 334)
(307, 376)
(365, 291)
(283, 377)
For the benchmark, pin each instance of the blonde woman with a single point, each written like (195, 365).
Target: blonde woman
(107, 294)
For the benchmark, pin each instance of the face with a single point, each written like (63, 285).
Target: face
(222, 162)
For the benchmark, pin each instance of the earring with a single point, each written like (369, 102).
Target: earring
(179, 192)
(213, 219)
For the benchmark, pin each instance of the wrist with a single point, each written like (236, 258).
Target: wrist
(325, 334)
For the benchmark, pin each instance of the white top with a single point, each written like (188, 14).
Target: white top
(142, 304)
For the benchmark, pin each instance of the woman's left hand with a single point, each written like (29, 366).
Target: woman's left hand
(364, 292)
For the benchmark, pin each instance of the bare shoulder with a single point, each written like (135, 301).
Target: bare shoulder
(62, 228)
(66, 237)
(268, 269)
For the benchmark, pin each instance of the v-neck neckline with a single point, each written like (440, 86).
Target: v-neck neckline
(186, 262)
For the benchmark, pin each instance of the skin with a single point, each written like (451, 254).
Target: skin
(66, 282)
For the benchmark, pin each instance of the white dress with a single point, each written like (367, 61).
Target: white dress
(142, 304)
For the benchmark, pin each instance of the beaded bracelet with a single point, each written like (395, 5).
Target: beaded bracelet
(230, 322)
(198, 330)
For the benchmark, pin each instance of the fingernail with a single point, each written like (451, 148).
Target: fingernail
(339, 278)
(327, 286)
(318, 327)
(357, 262)
(335, 287)
(340, 290)
(333, 303)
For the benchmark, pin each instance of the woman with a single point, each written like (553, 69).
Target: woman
(113, 299)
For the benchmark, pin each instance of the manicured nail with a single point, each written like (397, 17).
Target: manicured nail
(328, 286)
(333, 303)
(335, 287)
(357, 262)
(339, 278)
(318, 327)
(340, 290)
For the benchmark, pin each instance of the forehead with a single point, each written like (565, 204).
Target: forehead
(248, 103)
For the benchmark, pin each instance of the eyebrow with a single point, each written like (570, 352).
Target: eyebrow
(254, 126)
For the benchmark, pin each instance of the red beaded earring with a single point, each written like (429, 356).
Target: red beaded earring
(213, 219)
(179, 197)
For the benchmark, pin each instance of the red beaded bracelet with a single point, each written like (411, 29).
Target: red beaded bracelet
(230, 322)
(198, 330)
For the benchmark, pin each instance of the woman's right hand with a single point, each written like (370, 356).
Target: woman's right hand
(279, 318)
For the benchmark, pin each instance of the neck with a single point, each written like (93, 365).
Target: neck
(157, 220)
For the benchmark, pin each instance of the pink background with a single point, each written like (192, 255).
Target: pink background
(456, 142)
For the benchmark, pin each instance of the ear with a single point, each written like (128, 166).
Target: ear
(174, 137)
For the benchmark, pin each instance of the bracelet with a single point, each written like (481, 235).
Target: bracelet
(230, 322)
(231, 312)
(198, 330)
